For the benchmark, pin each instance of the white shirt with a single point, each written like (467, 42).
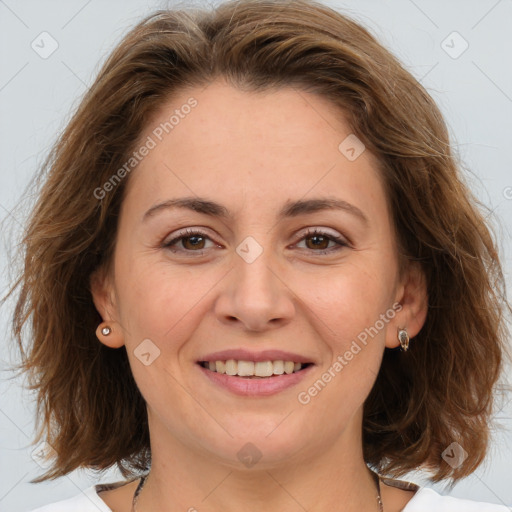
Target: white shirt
(425, 500)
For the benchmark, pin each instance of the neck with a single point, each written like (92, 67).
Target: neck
(332, 477)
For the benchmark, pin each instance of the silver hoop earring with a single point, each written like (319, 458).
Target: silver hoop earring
(403, 338)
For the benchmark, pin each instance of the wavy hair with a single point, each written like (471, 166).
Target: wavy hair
(442, 390)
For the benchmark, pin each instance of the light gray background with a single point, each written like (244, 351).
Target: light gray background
(37, 96)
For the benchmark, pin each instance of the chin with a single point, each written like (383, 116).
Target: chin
(260, 448)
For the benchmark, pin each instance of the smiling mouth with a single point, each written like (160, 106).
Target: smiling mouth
(254, 369)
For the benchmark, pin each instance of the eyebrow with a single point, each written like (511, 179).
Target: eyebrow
(289, 209)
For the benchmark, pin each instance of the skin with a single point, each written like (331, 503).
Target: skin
(252, 152)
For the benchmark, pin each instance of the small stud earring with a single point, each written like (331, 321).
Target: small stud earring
(403, 338)
(106, 330)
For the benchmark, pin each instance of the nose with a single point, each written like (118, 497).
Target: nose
(255, 295)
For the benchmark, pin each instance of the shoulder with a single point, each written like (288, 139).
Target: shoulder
(427, 500)
(87, 501)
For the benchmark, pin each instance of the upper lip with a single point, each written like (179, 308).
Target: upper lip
(241, 354)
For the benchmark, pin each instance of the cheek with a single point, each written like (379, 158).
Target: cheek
(161, 302)
(348, 314)
(348, 300)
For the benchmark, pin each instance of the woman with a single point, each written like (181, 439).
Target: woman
(255, 277)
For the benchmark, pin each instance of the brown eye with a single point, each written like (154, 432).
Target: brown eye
(317, 241)
(190, 241)
(193, 242)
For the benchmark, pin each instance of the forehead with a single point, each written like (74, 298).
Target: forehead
(277, 143)
(280, 117)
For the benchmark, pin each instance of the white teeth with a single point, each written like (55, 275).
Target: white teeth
(288, 367)
(246, 368)
(231, 367)
(278, 367)
(263, 369)
(252, 368)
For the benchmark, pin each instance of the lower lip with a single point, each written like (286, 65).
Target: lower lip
(256, 386)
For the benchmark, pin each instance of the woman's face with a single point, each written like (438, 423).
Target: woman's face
(253, 280)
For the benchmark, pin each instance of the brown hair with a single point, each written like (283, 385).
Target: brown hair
(438, 392)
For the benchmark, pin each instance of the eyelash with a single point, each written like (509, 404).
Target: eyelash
(188, 233)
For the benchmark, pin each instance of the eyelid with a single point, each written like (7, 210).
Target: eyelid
(186, 233)
(340, 240)
(317, 230)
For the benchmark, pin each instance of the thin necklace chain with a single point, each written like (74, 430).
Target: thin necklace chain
(144, 478)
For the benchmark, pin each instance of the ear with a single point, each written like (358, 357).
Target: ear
(103, 296)
(412, 295)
